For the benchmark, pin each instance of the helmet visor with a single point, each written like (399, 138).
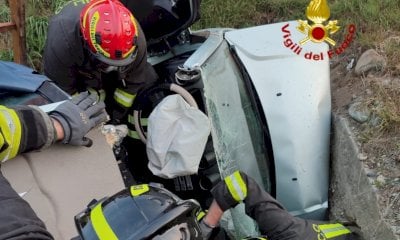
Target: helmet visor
(109, 66)
(116, 62)
(177, 232)
(119, 214)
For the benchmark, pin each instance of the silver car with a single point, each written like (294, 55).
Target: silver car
(268, 100)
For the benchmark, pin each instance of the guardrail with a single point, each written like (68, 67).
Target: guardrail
(17, 29)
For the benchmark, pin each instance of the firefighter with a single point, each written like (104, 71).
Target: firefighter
(27, 128)
(152, 212)
(99, 46)
(273, 220)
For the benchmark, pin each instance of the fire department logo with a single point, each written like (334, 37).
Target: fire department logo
(317, 30)
(318, 13)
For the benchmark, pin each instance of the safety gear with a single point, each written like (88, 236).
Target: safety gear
(10, 133)
(271, 217)
(77, 116)
(19, 125)
(236, 186)
(67, 57)
(110, 32)
(146, 211)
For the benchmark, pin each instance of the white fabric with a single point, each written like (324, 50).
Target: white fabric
(176, 137)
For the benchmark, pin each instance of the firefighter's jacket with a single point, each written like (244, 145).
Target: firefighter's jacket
(21, 129)
(273, 220)
(66, 61)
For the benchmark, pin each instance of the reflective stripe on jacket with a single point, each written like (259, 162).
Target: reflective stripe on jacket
(22, 129)
(10, 133)
(131, 126)
(124, 98)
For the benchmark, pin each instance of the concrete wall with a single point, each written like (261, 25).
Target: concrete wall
(352, 195)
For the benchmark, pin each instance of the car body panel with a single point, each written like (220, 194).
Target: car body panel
(295, 95)
(17, 77)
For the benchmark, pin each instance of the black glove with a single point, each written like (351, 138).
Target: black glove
(78, 116)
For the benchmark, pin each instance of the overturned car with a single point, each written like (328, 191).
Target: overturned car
(268, 107)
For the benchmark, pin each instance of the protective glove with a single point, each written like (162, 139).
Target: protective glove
(206, 230)
(78, 116)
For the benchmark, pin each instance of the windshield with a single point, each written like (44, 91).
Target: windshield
(237, 129)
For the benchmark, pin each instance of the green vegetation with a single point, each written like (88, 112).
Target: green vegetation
(238, 14)
(37, 15)
(35, 37)
(5, 53)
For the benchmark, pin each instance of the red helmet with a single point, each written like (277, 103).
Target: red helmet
(110, 32)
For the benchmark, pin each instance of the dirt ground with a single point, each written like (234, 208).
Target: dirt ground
(378, 140)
